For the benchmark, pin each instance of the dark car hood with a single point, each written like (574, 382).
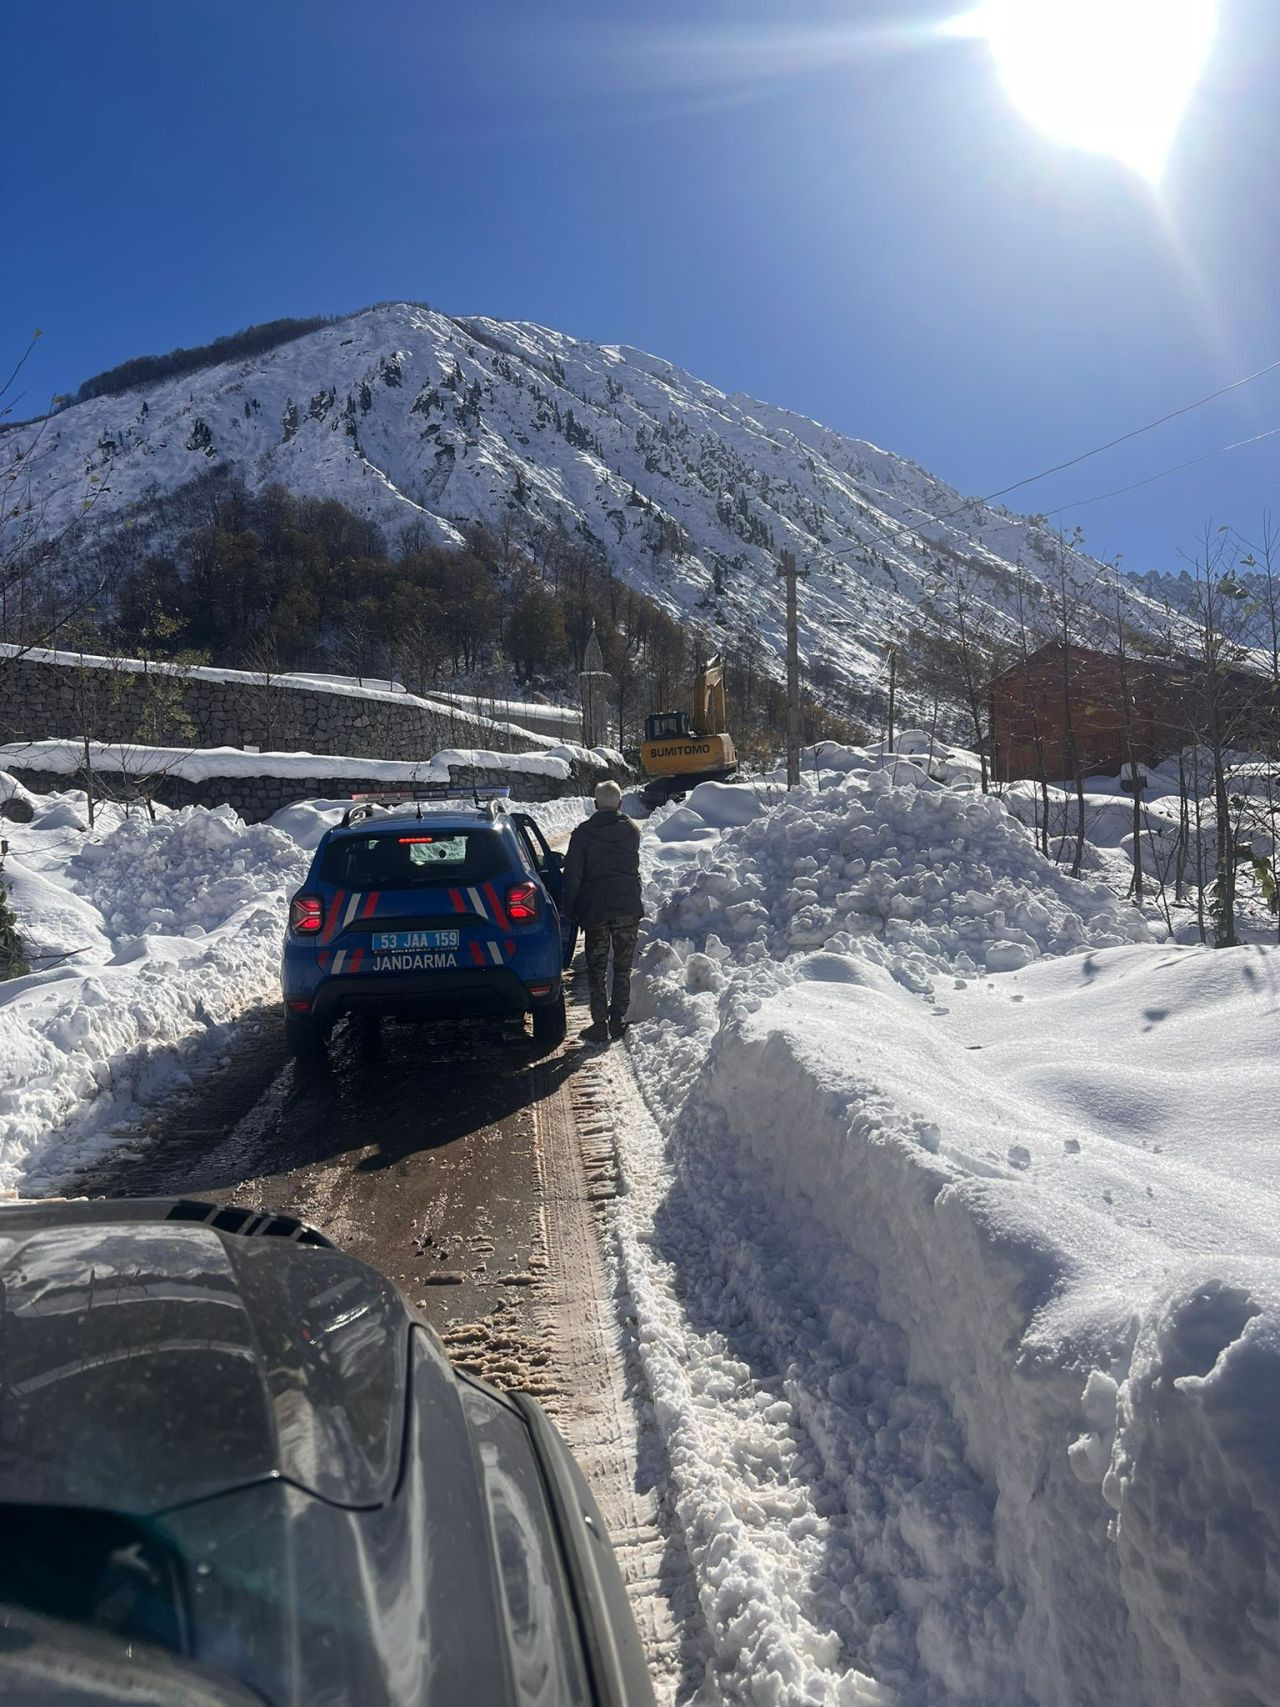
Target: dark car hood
(146, 1366)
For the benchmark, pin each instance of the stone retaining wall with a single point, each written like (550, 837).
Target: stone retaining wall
(40, 700)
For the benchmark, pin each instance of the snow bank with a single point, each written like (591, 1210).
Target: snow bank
(558, 818)
(148, 941)
(958, 1284)
(931, 878)
(553, 764)
(1109, 838)
(204, 764)
(1098, 1318)
(568, 716)
(913, 876)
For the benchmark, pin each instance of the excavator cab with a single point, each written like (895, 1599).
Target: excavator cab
(668, 726)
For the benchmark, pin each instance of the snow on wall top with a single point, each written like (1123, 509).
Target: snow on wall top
(204, 764)
(408, 415)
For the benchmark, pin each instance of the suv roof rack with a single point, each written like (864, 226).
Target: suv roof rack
(424, 794)
(33, 1214)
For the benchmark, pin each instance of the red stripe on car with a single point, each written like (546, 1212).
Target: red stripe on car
(370, 906)
(323, 958)
(459, 905)
(477, 954)
(510, 947)
(356, 958)
(491, 895)
(335, 913)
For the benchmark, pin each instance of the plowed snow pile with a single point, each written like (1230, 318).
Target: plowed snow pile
(957, 1278)
(147, 941)
(911, 876)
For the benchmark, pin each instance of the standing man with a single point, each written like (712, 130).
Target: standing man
(601, 892)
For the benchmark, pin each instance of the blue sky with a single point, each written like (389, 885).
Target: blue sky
(831, 207)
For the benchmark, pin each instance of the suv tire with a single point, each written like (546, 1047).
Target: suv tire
(303, 1038)
(551, 1022)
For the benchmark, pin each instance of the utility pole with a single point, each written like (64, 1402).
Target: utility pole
(787, 568)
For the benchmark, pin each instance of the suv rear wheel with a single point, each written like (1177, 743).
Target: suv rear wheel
(302, 1036)
(551, 1022)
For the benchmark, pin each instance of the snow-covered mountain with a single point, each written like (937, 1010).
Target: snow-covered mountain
(408, 415)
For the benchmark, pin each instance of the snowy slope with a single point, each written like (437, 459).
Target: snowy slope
(406, 414)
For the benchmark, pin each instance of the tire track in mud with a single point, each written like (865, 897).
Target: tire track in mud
(609, 1420)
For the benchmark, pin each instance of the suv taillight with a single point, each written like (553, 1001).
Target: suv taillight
(522, 903)
(306, 915)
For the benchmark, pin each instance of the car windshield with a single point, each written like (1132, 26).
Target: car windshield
(411, 856)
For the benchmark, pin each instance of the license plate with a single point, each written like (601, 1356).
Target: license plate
(401, 942)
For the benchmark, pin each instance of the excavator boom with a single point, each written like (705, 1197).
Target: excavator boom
(708, 699)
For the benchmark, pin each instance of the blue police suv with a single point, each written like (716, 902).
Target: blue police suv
(430, 908)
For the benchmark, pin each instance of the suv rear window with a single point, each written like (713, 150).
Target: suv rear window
(413, 856)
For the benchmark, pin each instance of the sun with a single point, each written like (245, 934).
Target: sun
(1110, 76)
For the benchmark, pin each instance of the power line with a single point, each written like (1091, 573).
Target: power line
(1208, 456)
(1135, 433)
(1100, 497)
(910, 528)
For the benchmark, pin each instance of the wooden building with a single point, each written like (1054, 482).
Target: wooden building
(1027, 714)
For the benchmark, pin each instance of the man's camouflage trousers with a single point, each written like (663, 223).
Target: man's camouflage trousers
(615, 936)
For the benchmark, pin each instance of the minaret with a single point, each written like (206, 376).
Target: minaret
(596, 685)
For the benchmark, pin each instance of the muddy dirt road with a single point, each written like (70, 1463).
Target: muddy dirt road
(419, 1150)
(476, 1172)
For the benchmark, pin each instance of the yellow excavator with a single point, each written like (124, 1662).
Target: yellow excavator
(679, 751)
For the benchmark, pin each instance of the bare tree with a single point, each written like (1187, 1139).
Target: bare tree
(132, 718)
(1066, 614)
(262, 696)
(1025, 649)
(419, 648)
(1223, 704)
(952, 652)
(1263, 561)
(356, 644)
(1184, 830)
(1126, 692)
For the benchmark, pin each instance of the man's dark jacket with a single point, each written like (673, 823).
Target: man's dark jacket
(602, 871)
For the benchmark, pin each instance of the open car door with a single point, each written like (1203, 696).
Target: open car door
(550, 868)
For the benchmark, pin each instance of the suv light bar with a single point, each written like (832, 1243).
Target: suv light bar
(364, 805)
(438, 791)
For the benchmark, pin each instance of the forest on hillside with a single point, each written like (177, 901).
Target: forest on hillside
(231, 346)
(273, 581)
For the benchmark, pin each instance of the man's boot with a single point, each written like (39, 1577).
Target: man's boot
(617, 1025)
(596, 1032)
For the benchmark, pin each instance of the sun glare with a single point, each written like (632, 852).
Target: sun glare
(1110, 76)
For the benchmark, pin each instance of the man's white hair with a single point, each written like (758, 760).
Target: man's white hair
(608, 796)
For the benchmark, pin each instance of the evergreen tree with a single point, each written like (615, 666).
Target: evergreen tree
(13, 959)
